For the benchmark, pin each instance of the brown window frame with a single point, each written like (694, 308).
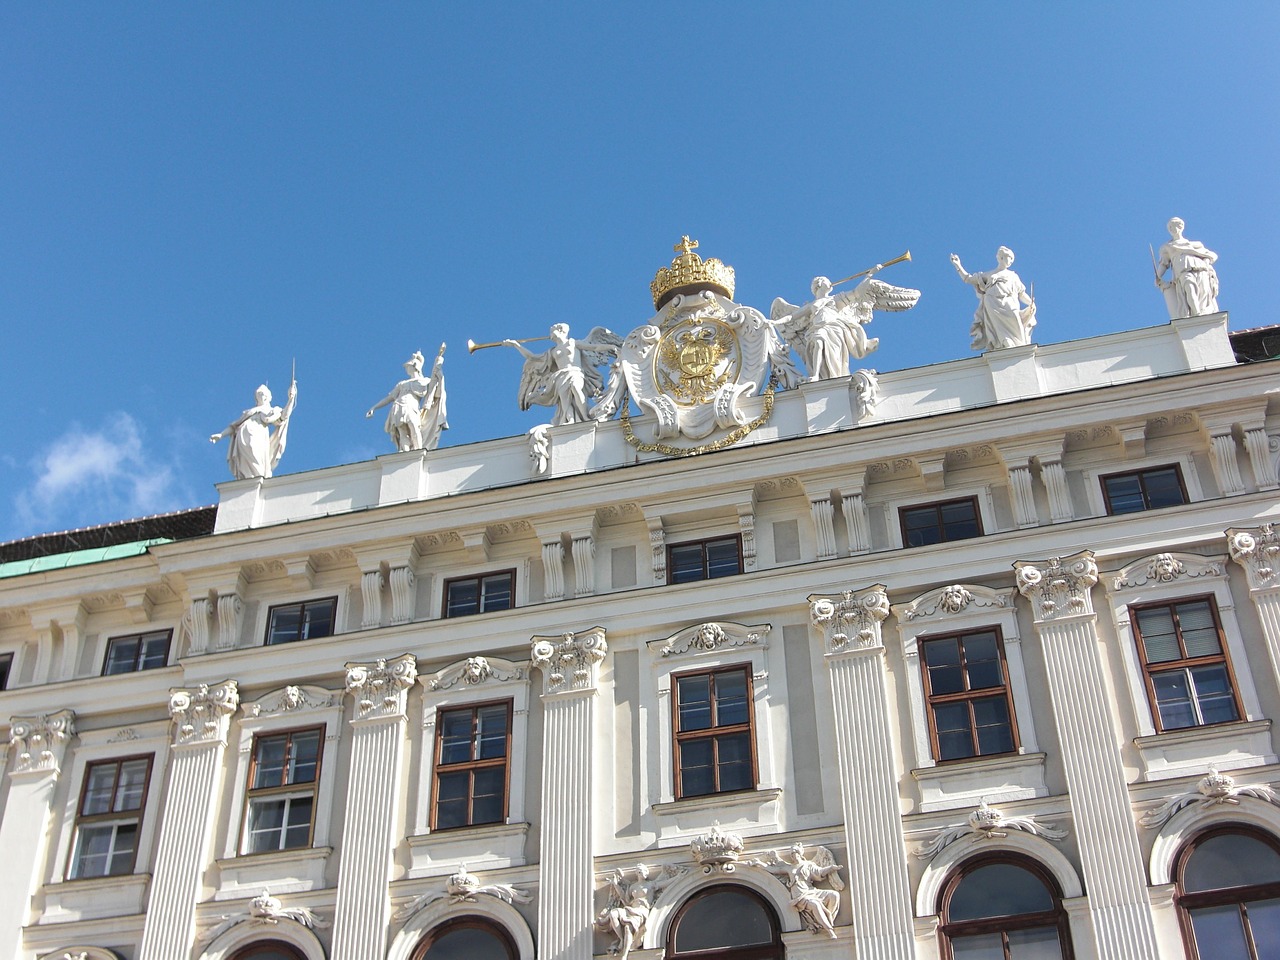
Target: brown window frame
(1142, 487)
(469, 766)
(948, 929)
(1222, 896)
(141, 639)
(735, 538)
(303, 633)
(1184, 663)
(679, 737)
(6, 670)
(287, 790)
(110, 817)
(478, 579)
(937, 506)
(967, 695)
(500, 933)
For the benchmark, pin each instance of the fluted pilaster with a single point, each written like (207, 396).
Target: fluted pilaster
(1257, 550)
(553, 570)
(823, 513)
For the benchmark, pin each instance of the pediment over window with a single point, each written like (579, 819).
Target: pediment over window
(710, 637)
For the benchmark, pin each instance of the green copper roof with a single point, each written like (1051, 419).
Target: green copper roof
(77, 558)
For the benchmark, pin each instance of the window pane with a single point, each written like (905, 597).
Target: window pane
(696, 776)
(122, 655)
(1173, 699)
(686, 563)
(155, 651)
(297, 831)
(995, 732)
(318, 619)
(304, 757)
(998, 890)
(955, 738)
(695, 702)
(1124, 493)
(1264, 922)
(731, 698)
(1199, 629)
(286, 624)
(132, 782)
(270, 757)
(467, 943)
(734, 765)
(266, 824)
(93, 847)
(722, 558)
(493, 731)
(1220, 932)
(959, 520)
(1162, 488)
(100, 789)
(451, 799)
(125, 839)
(495, 593)
(455, 736)
(987, 946)
(1213, 694)
(724, 918)
(464, 598)
(1159, 639)
(982, 661)
(921, 526)
(1036, 944)
(1230, 860)
(942, 657)
(489, 789)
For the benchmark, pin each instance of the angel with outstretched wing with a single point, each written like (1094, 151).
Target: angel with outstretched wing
(801, 874)
(567, 375)
(827, 332)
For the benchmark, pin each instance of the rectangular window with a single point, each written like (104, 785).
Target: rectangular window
(282, 790)
(940, 522)
(969, 704)
(1188, 674)
(6, 667)
(714, 741)
(1144, 489)
(481, 594)
(472, 747)
(704, 559)
(109, 818)
(301, 621)
(138, 651)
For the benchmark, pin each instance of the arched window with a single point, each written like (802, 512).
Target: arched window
(725, 923)
(1229, 895)
(268, 950)
(467, 938)
(1003, 908)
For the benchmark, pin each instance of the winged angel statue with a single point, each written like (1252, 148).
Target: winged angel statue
(567, 376)
(817, 906)
(828, 330)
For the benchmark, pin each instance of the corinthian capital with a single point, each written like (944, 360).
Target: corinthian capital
(380, 687)
(852, 620)
(1058, 587)
(1256, 549)
(570, 661)
(202, 713)
(40, 742)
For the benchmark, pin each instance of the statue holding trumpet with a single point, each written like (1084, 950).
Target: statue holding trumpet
(417, 413)
(567, 375)
(827, 332)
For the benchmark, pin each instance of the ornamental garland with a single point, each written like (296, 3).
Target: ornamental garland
(728, 440)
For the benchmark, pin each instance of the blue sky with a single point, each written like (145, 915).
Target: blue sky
(194, 195)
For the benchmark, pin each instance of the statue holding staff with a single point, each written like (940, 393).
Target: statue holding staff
(1192, 290)
(417, 414)
(255, 448)
(1000, 320)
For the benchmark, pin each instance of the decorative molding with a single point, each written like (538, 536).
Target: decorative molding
(1257, 550)
(658, 547)
(1058, 587)
(39, 743)
(1165, 568)
(857, 525)
(570, 661)
(464, 887)
(553, 570)
(747, 528)
(953, 599)
(371, 584)
(195, 625)
(291, 699)
(230, 616)
(713, 635)
(716, 851)
(823, 513)
(202, 714)
(124, 735)
(267, 911)
(380, 688)
(986, 823)
(402, 594)
(1213, 789)
(853, 621)
(475, 671)
(584, 567)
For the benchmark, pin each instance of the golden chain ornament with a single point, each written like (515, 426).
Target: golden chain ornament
(728, 440)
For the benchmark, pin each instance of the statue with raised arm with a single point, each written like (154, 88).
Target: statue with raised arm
(255, 448)
(417, 413)
(1001, 320)
(566, 376)
(1192, 289)
(827, 332)
(817, 906)
(630, 903)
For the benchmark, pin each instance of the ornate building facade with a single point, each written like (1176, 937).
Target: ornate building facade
(973, 660)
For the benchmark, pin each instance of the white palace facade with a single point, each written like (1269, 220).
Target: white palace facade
(996, 643)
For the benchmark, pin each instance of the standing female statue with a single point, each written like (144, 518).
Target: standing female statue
(417, 413)
(1193, 289)
(255, 448)
(999, 320)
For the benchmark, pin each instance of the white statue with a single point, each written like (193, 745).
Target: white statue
(566, 376)
(417, 413)
(540, 448)
(827, 331)
(1000, 320)
(630, 903)
(817, 906)
(255, 448)
(1192, 290)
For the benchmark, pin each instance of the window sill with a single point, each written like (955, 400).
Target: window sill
(1193, 750)
(965, 783)
(286, 871)
(749, 812)
(488, 847)
(95, 898)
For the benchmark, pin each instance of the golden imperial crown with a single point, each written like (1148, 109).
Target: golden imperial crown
(690, 272)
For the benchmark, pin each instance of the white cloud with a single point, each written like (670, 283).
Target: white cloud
(86, 477)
